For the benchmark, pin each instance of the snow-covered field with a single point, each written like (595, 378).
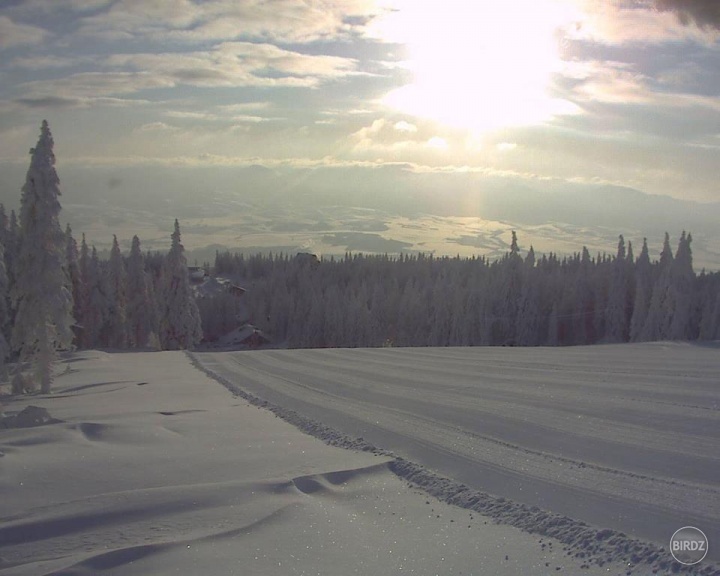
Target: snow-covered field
(154, 468)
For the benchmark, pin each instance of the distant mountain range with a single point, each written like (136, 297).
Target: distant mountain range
(391, 208)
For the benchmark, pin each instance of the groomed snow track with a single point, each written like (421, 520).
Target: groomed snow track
(608, 449)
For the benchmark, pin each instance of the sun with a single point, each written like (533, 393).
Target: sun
(480, 65)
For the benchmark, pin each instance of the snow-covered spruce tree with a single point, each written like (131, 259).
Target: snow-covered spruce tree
(11, 244)
(116, 281)
(180, 326)
(659, 316)
(93, 299)
(72, 257)
(616, 310)
(683, 325)
(709, 325)
(5, 305)
(506, 292)
(43, 302)
(4, 316)
(141, 309)
(584, 298)
(529, 308)
(643, 290)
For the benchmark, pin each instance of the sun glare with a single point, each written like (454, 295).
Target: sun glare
(479, 65)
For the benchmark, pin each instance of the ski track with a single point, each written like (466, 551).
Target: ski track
(622, 438)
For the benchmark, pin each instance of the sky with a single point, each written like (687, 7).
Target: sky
(477, 97)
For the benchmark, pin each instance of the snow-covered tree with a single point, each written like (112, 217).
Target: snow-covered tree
(94, 306)
(618, 304)
(553, 337)
(506, 293)
(180, 326)
(657, 324)
(141, 309)
(682, 325)
(4, 316)
(709, 325)
(528, 320)
(43, 303)
(5, 303)
(643, 291)
(583, 318)
(116, 282)
(11, 245)
(72, 257)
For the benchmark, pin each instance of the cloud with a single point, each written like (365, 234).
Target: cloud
(129, 18)
(684, 76)
(231, 64)
(380, 135)
(704, 13)
(235, 64)
(94, 84)
(39, 7)
(15, 34)
(43, 62)
(634, 22)
(398, 141)
(228, 115)
(157, 127)
(56, 102)
(244, 106)
(612, 82)
(404, 126)
(288, 21)
(437, 143)
(608, 82)
(50, 102)
(344, 113)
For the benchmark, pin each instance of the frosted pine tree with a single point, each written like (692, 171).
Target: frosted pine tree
(584, 301)
(709, 326)
(72, 257)
(643, 290)
(683, 324)
(94, 304)
(141, 310)
(117, 298)
(12, 249)
(506, 293)
(42, 300)
(616, 318)
(4, 316)
(657, 325)
(529, 307)
(5, 307)
(553, 327)
(180, 323)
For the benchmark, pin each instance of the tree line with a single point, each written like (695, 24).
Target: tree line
(524, 300)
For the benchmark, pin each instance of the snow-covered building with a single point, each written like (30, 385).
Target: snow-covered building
(197, 274)
(245, 336)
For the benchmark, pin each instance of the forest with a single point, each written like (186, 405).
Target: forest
(518, 300)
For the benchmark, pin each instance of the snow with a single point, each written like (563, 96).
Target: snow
(154, 468)
(621, 437)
